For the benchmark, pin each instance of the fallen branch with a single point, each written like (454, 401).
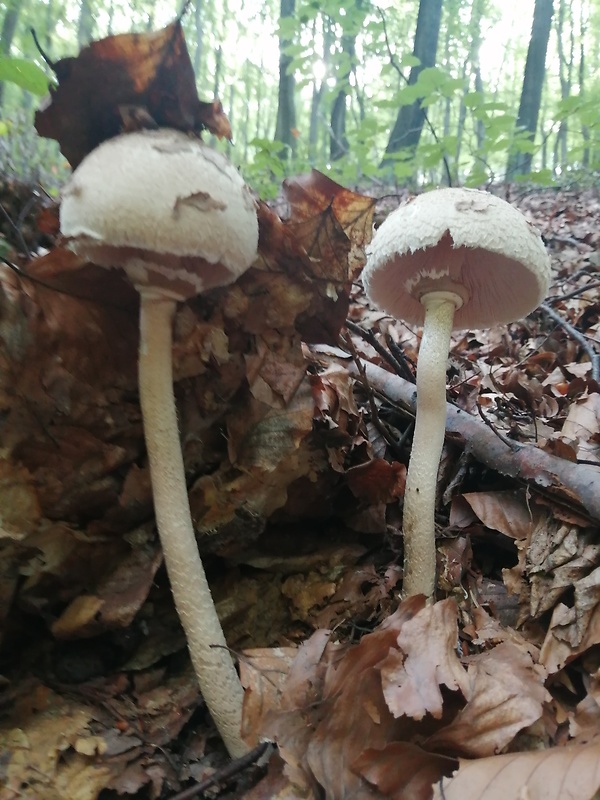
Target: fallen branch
(568, 481)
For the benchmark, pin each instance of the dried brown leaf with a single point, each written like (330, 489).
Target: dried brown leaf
(412, 676)
(332, 709)
(403, 771)
(507, 512)
(506, 694)
(573, 629)
(561, 773)
(115, 601)
(316, 192)
(151, 73)
(377, 481)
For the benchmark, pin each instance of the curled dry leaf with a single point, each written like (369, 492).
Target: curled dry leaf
(506, 694)
(403, 771)
(561, 773)
(142, 79)
(413, 675)
(508, 512)
(573, 629)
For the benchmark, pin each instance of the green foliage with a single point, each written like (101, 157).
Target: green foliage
(541, 177)
(431, 85)
(23, 73)
(267, 168)
(472, 131)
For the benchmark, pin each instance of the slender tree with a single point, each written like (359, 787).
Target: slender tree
(585, 131)
(470, 71)
(565, 75)
(198, 24)
(338, 143)
(318, 85)
(409, 122)
(86, 22)
(533, 82)
(7, 31)
(285, 129)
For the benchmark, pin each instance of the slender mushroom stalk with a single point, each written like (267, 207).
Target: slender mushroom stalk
(219, 682)
(428, 440)
(449, 259)
(178, 219)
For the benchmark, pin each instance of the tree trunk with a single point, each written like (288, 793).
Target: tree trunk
(9, 25)
(198, 28)
(565, 74)
(7, 32)
(85, 25)
(285, 130)
(585, 131)
(338, 143)
(470, 72)
(409, 122)
(533, 82)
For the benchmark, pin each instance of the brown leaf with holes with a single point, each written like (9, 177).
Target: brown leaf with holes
(125, 81)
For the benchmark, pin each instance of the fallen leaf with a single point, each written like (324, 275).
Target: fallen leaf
(506, 693)
(560, 773)
(413, 675)
(150, 71)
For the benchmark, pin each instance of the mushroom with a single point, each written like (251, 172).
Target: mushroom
(178, 219)
(448, 259)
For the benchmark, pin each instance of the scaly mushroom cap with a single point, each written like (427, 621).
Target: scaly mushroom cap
(174, 213)
(464, 241)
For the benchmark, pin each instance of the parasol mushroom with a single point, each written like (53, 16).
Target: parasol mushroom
(448, 259)
(178, 219)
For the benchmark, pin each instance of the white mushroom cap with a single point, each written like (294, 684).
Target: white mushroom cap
(459, 240)
(171, 211)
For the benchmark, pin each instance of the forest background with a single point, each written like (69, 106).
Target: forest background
(461, 92)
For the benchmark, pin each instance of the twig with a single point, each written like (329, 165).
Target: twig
(377, 422)
(402, 359)
(556, 297)
(46, 58)
(371, 339)
(226, 773)
(578, 336)
(16, 228)
(508, 442)
(557, 477)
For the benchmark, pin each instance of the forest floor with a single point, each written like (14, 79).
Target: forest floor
(365, 695)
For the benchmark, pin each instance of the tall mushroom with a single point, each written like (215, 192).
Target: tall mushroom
(178, 219)
(449, 259)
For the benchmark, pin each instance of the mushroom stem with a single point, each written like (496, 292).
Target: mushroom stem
(217, 677)
(419, 499)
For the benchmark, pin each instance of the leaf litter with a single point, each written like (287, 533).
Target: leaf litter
(296, 459)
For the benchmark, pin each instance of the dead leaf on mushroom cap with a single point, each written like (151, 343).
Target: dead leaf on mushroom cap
(140, 79)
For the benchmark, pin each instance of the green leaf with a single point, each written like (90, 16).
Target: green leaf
(409, 60)
(542, 177)
(24, 73)
(288, 27)
(473, 99)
